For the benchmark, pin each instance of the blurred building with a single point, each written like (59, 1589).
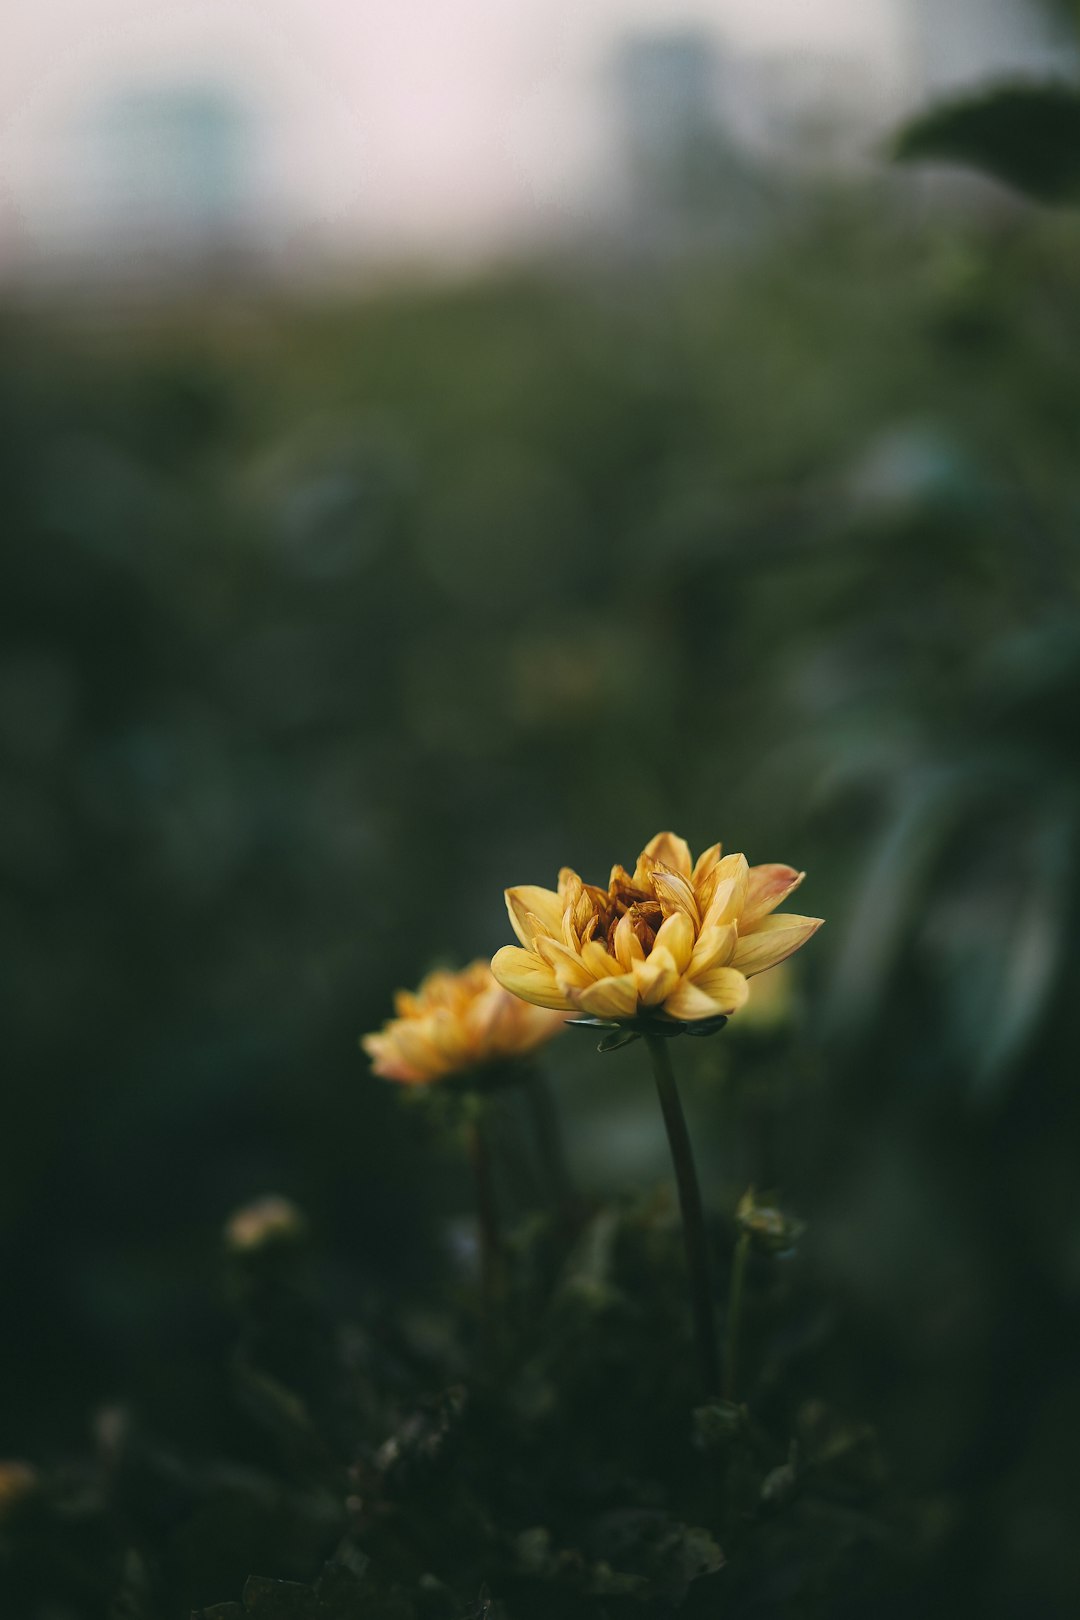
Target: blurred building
(954, 43)
(167, 183)
(685, 164)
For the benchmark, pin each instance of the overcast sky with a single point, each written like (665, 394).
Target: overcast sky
(413, 120)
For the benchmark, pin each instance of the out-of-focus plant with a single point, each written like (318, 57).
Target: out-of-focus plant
(463, 1032)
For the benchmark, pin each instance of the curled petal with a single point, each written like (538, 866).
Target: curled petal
(675, 894)
(600, 963)
(676, 934)
(655, 977)
(767, 887)
(730, 878)
(570, 885)
(772, 940)
(578, 919)
(627, 945)
(703, 867)
(609, 998)
(667, 849)
(528, 977)
(531, 909)
(715, 948)
(566, 964)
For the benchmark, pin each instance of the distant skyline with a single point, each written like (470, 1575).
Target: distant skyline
(400, 126)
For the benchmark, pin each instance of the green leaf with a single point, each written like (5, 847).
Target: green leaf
(616, 1038)
(1027, 135)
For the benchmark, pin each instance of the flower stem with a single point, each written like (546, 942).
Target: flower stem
(693, 1219)
(734, 1314)
(486, 1211)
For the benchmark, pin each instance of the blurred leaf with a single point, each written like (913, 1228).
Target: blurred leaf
(1023, 134)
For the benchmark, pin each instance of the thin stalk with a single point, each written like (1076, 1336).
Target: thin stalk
(734, 1314)
(486, 1211)
(693, 1219)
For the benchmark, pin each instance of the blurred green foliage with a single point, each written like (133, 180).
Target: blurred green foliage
(321, 624)
(1025, 134)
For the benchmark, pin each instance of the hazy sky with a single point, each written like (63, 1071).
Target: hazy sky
(413, 121)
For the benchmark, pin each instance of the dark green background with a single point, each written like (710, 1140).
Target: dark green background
(324, 621)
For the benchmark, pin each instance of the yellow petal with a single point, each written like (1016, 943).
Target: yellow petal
(655, 977)
(688, 1003)
(676, 934)
(528, 977)
(729, 891)
(725, 987)
(609, 998)
(772, 940)
(767, 886)
(566, 964)
(703, 866)
(576, 920)
(570, 886)
(715, 948)
(667, 849)
(601, 963)
(675, 894)
(627, 945)
(529, 906)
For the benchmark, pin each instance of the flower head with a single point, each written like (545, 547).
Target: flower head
(454, 1023)
(674, 941)
(263, 1224)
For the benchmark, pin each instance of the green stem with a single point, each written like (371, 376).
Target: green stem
(486, 1212)
(734, 1314)
(693, 1219)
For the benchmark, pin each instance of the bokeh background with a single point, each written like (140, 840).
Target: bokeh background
(434, 449)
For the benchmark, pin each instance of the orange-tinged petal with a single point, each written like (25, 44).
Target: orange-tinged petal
(729, 894)
(655, 977)
(667, 849)
(566, 964)
(772, 940)
(676, 934)
(627, 945)
(715, 948)
(767, 887)
(530, 907)
(528, 977)
(609, 998)
(675, 894)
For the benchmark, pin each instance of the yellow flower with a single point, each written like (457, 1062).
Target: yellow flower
(673, 941)
(455, 1022)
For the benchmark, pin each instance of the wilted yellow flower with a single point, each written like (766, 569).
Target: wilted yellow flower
(265, 1221)
(673, 940)
(18, 1480)
(453, 1023)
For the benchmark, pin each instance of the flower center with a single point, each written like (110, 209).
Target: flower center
(622, 900)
